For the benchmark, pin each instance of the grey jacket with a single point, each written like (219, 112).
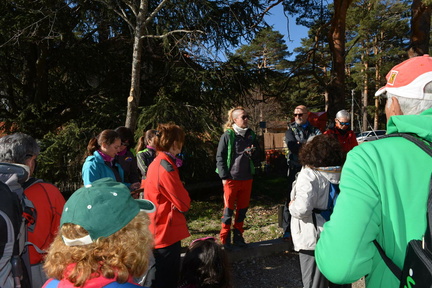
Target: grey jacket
(237, 165)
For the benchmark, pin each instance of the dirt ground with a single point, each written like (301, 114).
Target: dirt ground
(276, 271)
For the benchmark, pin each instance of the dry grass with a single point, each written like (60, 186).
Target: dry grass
(261, 222)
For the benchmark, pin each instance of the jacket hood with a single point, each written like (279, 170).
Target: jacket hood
(14, 175)
(421, 125)
(331, 173)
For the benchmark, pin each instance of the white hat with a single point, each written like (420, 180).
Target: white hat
(409, 78)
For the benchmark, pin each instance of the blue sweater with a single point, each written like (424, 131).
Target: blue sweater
(94, 168)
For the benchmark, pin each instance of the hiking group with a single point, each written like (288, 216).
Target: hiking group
(351, 211)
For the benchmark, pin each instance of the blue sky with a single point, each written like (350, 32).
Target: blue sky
(292, 32)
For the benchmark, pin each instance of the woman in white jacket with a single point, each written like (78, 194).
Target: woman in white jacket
(321, 159)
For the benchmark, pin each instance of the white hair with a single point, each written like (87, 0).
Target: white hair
(343, 114)
(411, 106)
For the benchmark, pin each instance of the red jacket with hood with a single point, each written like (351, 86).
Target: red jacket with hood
(164, 188)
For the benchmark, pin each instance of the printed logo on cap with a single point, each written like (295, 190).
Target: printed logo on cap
(392, 77)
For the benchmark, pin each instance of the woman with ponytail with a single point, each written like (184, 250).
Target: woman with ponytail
(100, 159)
(164, 188)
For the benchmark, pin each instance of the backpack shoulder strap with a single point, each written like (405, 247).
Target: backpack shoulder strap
(52, 284)
(7, 249)
(116, 284)
(30, 182)
(425, 146)
(390, 264)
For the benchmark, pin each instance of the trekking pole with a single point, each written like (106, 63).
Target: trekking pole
(17, 270)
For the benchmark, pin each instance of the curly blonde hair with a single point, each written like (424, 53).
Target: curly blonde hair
(121, 255)
(232, 114)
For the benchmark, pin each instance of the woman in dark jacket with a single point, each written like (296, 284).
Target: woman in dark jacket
(126, 158)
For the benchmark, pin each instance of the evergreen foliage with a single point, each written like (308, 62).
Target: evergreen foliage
(376, 42)
(65, 69)
(267, 50)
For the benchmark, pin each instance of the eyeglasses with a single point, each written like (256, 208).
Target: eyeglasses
(298, 115)
(344, 123)
(202, 239)
(244, 117)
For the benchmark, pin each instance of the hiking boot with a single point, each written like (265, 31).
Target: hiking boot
(287, 238)
(238, 239)
(227, 247)
(226, 242)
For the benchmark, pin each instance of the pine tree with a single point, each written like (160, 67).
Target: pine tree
(377, 41)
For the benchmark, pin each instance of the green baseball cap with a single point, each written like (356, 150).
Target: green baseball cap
(102, 208)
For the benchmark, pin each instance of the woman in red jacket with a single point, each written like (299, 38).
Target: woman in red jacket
(342, 131)
(168, 224)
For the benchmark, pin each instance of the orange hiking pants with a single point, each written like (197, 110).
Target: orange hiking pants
(236, 197)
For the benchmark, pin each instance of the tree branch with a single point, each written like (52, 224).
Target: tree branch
(153, 14)
(260, 17)
(172, 32)
(123, 15)
(133, 8)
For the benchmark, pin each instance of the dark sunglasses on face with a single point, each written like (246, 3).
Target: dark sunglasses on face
(244, 117)
(344, 123)
(298, 115)
(125, 144)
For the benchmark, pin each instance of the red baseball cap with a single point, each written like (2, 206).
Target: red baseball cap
(409, 78)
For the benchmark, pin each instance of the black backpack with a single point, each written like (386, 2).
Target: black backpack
(417, 268)
(15, 213)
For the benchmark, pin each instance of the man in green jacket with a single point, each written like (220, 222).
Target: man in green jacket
(384, 186)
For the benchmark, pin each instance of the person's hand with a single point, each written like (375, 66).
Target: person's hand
(136, 195)
(135, 186)
(250, 150)
(224, 181)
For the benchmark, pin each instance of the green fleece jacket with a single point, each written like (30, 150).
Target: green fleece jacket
(384, 189)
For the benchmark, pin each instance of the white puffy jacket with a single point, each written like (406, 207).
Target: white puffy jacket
(310, 191)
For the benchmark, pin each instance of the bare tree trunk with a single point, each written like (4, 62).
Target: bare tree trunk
(336, 87)
(376, 115)
(420, 27)
(326, 100)
(135, 92)
(377, 77)
(378, 65)
(365, 96)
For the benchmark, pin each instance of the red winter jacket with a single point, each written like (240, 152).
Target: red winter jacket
(164, 188)
(348, 140)
(48, 202)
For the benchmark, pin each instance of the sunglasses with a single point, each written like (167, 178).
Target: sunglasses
(344, 123)
(125, 144)
(298, 115)
(202, 239)
(244, 117)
